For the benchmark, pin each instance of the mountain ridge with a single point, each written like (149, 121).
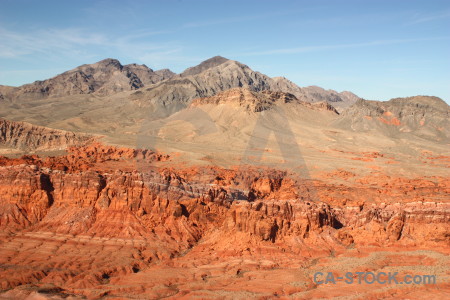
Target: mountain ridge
(135, 77)
(102, 78)
(120, 114)
(424, 116)
(213, 75)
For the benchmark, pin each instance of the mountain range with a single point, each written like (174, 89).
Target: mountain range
(119, 103)
(219, 108)
(216, 74)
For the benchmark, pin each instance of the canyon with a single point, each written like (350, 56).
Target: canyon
(217, 183)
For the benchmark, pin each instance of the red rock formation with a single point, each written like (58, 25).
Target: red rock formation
(25, 195)
(95, 232)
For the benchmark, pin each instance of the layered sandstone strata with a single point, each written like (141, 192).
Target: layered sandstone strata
(78, 225)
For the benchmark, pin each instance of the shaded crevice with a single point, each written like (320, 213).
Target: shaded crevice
(336, 224)
(47, 186)
(102, 183)
(184, 211)
(273, 232)
(403, 218)
(135, 269)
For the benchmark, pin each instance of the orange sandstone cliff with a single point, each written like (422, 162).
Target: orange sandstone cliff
(94, 224)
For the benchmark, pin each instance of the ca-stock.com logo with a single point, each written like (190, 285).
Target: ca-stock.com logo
(321, 278)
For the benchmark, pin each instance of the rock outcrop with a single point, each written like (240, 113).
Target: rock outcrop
(251, 101)
(341, 101)
(34, 185)
(28, 137)
(257, 101)
(423, 116)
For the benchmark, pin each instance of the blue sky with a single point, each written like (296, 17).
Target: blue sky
(376, 49)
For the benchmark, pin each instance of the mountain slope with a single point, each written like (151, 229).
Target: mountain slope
(238, 124)
(340, 101)
(28, 137)
(219, 74)
(146, 75)
(424, 116)
(207, 64)
(207, 79)
(105, 77)
(257, 101)
(163, 92)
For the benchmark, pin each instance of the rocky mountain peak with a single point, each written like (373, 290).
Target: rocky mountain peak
(109, 62)
(207, 64)
(138, 67)
(105, 65)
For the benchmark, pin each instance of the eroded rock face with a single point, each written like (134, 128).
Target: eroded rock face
(82, 226)
(271, 207)
(88, 178)
(28, 137)
(423, 116)
(341, 101)
(93, 155)
(257, 101)
(26, 196)
(252, 101)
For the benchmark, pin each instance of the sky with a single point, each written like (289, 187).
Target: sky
(377, 49)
